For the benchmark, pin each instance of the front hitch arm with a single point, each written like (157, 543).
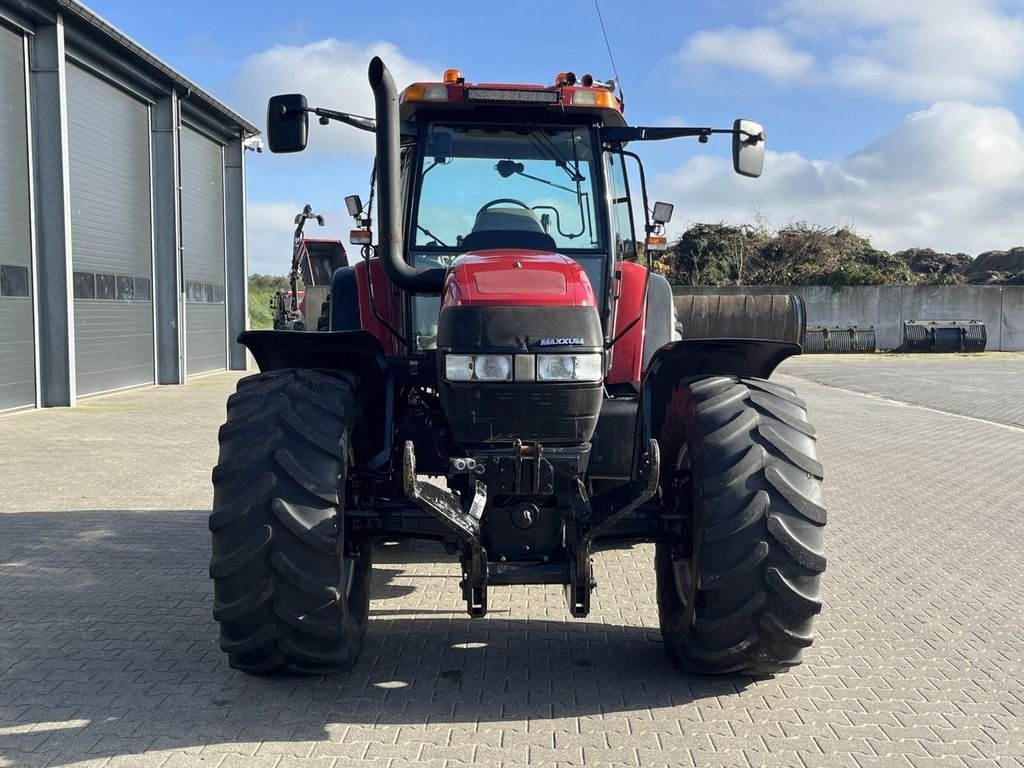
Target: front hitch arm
(598, 514)
(465, 524)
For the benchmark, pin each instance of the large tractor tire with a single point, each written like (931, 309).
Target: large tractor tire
(740, 594)
(287, 595)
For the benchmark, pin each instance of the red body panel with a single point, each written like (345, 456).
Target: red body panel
(387, 300)
(514, 277)
(628, 352)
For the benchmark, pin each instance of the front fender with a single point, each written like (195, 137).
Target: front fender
(355, 352)
(702, 357)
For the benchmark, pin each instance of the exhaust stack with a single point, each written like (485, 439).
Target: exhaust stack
(389, 212)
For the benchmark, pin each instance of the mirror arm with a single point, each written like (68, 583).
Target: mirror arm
(325, 115)
(649, 133)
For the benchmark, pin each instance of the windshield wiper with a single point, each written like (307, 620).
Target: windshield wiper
(550, 151)
(543, 144)
(432, 236)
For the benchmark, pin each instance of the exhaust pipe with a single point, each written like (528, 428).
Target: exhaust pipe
(389, 211)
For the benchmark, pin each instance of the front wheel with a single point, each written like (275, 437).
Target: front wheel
(739, 593)
(289, 595)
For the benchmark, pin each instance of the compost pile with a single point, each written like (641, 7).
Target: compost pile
(802, 254)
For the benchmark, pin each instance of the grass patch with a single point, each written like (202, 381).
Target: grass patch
(261, 290)
(261, 316)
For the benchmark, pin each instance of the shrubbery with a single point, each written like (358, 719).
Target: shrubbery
(803, 254)
(261, 289)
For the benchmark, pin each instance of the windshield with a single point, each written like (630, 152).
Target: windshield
(527, 187)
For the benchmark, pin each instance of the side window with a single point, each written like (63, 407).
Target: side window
(623, 237)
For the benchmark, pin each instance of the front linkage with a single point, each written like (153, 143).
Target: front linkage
(585, 521)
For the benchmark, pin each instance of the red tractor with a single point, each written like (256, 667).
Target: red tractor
(314, 261)
(504, 337)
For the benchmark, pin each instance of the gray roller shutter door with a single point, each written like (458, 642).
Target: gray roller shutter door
(17, 345)
(202, 237)
(111, 234)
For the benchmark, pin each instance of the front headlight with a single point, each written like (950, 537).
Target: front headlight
(581, 367)
(492, 368)
(478, 367)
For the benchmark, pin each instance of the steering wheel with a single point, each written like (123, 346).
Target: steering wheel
(512, 200)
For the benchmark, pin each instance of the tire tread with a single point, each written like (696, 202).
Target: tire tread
(280, 595)
(758, 537)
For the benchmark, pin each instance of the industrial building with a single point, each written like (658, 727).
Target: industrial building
(122, 213)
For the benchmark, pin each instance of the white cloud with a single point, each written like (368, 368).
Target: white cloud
(913, 50)
(950, 177)
(960, 53)
(332, 74)
(759, 50)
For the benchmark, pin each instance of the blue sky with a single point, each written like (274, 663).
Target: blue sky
(900, 119)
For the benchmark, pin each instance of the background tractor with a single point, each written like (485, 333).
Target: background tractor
(503, 336)
(314, 261)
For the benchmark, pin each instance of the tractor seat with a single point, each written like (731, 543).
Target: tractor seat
(507, 228)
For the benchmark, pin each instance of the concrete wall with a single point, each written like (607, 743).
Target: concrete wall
(886, 307)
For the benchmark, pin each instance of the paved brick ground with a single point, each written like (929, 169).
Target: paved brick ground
(108, 651)
(986, 386)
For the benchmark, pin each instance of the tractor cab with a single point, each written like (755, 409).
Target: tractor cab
(492, 168)
(319, 259)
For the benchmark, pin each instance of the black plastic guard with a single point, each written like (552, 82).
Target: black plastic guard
(356, 352)
(702, 357)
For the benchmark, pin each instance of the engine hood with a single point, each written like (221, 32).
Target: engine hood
(516, 277)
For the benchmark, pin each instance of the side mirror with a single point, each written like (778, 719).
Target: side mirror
(439, 147)
(287, 123)
(662, 213)
(748, 148)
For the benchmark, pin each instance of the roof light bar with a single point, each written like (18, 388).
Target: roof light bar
(509, 95)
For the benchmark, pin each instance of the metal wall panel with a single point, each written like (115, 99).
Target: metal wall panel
(203, 246)
(111, 233)
(17, 345)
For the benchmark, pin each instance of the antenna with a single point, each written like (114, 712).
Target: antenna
(615, 71)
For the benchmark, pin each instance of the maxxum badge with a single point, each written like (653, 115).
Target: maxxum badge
(576, 341)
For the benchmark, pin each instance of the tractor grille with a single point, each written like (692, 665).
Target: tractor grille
(547, 413)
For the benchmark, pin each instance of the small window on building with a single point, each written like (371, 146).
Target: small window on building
(84, 285)
(125, 288)
(13, 280)
(142, 289)
(106, 287)
(200, 293)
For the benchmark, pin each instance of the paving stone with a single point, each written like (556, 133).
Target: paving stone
(108, 652)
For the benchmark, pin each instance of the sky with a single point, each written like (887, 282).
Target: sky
(900, 119)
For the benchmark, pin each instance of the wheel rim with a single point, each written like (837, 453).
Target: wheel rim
(349, 566)
(682, 569)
